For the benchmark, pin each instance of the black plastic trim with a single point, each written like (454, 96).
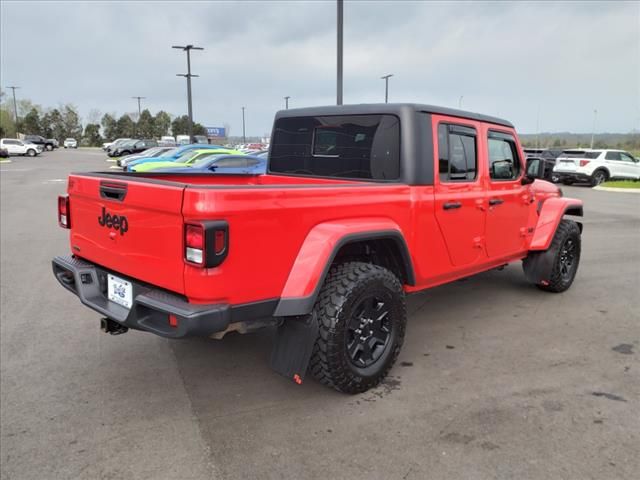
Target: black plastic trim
(303, 305)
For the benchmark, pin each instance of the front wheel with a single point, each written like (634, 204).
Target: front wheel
(31, 152)
(362, 319)
(565, 251)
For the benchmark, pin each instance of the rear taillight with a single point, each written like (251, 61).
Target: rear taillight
(584, 163)
(206, 243)
(64, 220)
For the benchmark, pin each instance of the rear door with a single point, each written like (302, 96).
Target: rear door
(459, 194)
(507, 199)
(133, 227)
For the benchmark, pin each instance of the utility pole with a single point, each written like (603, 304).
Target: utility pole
(188, 75)
(460, 101)
(340, 22)
(15, 107)
(593, 130)
(286, 103)
(244, 136)
(139, 111)
(386, 86)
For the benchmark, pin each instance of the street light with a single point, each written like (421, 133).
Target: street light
(188, 75)
(593, 130)
(286, 103)
(460, 101)
(15, 107)
(386, 86)
(339, 55)
(139, 111)
(244, 136)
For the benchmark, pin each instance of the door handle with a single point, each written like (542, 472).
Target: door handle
(496, 201)
(451, 205)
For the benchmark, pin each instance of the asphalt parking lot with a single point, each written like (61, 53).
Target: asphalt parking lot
(496, 379)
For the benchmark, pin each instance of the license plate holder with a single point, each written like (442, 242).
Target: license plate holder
(119, 291)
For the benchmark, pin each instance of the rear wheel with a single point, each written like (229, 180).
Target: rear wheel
(49, 147)
(598, 177)
(362, 318)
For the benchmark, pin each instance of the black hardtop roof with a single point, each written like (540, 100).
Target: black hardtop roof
(389, 108)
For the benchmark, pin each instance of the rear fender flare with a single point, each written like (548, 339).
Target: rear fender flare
(318, 251)
(551, 213)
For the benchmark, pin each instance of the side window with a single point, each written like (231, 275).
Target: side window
(504, 162)
(457, 159)
(626, 157)
(612, 156)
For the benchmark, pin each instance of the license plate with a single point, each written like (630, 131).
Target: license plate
(119, 291)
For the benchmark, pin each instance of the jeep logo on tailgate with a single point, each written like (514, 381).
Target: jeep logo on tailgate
(117, 222)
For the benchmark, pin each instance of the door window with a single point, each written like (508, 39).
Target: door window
(457, 158)
(625, 157)
(504, 161)
(613, 156)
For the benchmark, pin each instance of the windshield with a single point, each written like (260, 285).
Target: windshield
(204, 158)
(169, 153)
(185, 157)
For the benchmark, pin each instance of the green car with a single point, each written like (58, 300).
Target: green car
(188, 158)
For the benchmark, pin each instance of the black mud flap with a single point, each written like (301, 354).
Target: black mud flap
(538, 266)
(293, 346)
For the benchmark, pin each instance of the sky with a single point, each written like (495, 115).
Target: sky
(545, 66)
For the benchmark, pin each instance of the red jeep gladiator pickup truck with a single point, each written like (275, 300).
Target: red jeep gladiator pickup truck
(361, 206)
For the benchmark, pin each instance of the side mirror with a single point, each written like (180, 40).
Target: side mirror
(535, 169)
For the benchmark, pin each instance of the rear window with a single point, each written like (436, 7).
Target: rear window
(354, 146)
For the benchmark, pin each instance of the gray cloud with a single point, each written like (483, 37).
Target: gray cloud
(507, 59)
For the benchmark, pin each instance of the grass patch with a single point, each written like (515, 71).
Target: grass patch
(622, 184)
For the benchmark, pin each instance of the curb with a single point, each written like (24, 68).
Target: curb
(614, 189)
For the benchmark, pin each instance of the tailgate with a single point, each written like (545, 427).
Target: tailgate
(565, 165)
(132, 227)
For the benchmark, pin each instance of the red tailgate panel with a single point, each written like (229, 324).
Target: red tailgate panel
(150, 249)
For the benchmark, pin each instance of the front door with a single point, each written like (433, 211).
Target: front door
(507, 198)
(459, 195)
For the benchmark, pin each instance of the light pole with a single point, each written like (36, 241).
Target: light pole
(286, 103)
(593, 130)
(244, 136)
(188, 75)
(460, 101)
(15, 107)
(386, 86)
(139, 111)
(339, 55)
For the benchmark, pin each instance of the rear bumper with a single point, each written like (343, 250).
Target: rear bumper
(574, 176)
(151, 307)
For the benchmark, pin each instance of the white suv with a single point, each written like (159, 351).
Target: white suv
(18, 147)
(595, 166)
(70, 143)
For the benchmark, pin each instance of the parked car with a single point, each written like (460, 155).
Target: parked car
(70, 143)
(200, 139)
(106, 145)
(38, 140)
(149, 153)
(220, 163)
(167, 141)
(183, 140)
(19, 147)
(351, 217)
(172, 155)
(187, 158)
(54, 142)
(132, 146)
(596, 166)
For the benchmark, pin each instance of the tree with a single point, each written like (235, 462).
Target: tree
(7, 123)
(180, 126)
(52, 125)
(71, 122)
(92, 135)
(125, 127)
(94, 116)
(109, 127)
(162, 122)
(146, 125)
(31, 123)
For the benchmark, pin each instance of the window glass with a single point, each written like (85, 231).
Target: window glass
(457, 153)
(592, 155)
(612, 156)
(504, 163)
(228, 162)
(350, 146)
(625, 157)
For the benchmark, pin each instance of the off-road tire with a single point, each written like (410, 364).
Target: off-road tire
(598, 177)
(347, 285)
(567, 231)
